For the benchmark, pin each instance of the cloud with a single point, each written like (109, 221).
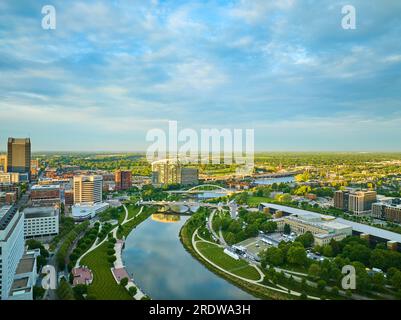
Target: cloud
(111, 70)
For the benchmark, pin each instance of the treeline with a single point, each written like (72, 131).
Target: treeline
(246, 226)
(69, 239)
(350, 251)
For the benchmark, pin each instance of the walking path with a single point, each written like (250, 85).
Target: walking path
(119, 267)
(255, 282)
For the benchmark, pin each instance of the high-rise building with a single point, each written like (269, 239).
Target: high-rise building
(341, 199)
(88, 189)
(189, 176)
(361, 202)
(166, 172)
(19, 155)
(123, 179)
(3, 162)
(172, 172)
(11, 247)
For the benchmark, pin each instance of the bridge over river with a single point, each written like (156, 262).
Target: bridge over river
(180, 206)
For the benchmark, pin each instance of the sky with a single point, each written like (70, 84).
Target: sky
(113, 70)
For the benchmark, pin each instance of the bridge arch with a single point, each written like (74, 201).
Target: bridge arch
(208, 185)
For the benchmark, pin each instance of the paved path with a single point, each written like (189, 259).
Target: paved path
(255, 282)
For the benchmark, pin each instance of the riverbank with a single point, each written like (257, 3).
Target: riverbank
(253, 289)
(104, 285)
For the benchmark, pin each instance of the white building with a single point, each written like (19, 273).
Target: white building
(11, 247)
(85, 211)
(25, 277)
(41, 222)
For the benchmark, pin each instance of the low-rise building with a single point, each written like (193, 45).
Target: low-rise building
(45, 195)
(8, 198)
(41, 222)
(324, 228)
(86, 211)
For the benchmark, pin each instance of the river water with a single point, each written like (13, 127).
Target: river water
(162, 268)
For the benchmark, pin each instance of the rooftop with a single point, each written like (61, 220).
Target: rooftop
(40, 212)
(45, 187)
(26, 264)
(6, 214)
(20, 284)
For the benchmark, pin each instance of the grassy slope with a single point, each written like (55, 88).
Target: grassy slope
(257, 291)
(104, 287)
(238, 267)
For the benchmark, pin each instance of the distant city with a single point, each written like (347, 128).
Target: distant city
(286, 230)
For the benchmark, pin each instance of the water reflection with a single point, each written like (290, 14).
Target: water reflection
(165, 217)
(164, 270)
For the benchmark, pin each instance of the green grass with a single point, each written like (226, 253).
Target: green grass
(238, 267)
(103, 287)
(255, 201)
(132, 211)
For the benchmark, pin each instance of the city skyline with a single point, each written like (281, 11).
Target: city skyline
(110, 72)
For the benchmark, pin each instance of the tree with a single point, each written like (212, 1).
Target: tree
(306, 239)
(124, 281)
(297, 256)
(327, 251)
(79, 291)
(273, 256)
(132, 291)
(321, 284)
(314, 270)
(395, 280)
(287, 229)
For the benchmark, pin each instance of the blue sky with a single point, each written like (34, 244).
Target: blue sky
(112, 70)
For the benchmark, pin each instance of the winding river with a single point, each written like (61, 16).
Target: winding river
(162, 268)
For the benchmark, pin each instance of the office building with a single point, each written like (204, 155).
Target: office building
(324, 228)
(88, 189)
(123, 180)
(45, 195)
(19, 156)
(68, 197)
(341, 199)
(13, 177)
(360, 202)
(41, 222)
(3, 163)
(167, 172)
(388, 212)
(11, 247)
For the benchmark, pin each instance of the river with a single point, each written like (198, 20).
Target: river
(163, 269)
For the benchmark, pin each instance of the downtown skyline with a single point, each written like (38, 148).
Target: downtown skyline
(111, 71)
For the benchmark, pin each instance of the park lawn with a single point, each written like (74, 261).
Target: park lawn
(238, 267)
(132, 211)
(255, 201)
(103, 287)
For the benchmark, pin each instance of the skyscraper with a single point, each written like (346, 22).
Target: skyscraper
(88, 189)
(123, 179)
(19, 155)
